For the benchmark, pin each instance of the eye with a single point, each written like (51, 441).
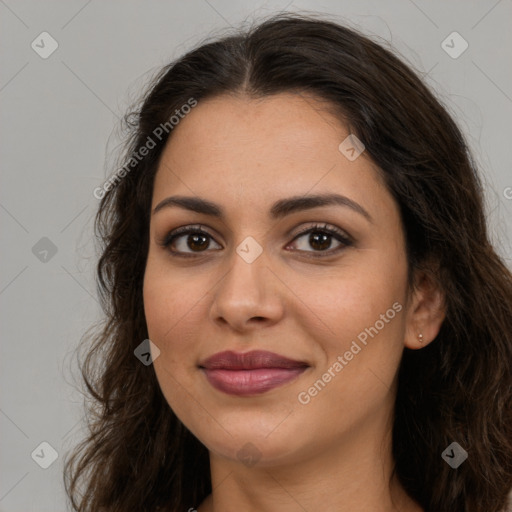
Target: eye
(190, 237)
(320, 239)
(197, 240)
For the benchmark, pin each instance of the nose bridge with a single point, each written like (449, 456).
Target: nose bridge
(245, 279)
(247, 289)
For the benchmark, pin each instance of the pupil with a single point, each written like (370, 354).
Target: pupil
(314, 239)
(317, 240)
(195, 239)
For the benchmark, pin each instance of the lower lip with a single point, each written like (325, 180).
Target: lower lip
(250, 382)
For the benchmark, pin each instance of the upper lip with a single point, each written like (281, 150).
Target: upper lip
(249, 361)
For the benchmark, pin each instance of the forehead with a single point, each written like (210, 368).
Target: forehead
(234, 148)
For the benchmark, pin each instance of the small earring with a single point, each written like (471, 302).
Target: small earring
(420, 338)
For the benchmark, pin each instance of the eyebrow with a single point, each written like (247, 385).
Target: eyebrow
(279, 209)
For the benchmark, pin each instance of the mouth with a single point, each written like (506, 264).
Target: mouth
(251, 373)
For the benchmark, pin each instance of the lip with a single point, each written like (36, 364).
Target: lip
(250, 373)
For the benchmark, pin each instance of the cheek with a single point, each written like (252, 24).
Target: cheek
(169, 317)
(341, 304)
(174, 307)
(360, 320)
(169, 299)
(359, 317)
(168, 313)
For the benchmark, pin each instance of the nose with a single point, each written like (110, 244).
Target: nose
(249, 296)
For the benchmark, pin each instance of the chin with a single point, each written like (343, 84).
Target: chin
(264, 444)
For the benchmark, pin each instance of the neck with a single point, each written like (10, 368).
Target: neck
(354, 476)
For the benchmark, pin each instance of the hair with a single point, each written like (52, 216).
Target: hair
(137, 454)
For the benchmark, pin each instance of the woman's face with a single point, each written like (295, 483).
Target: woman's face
(333, 304)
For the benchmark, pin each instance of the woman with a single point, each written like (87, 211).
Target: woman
(299, 231)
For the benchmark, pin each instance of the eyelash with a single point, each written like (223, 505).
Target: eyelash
(318, 228)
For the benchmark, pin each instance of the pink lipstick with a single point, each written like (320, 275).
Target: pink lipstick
(250, 373)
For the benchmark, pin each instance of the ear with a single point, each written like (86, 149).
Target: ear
(426, 311)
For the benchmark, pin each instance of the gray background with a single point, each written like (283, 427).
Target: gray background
(59, 113)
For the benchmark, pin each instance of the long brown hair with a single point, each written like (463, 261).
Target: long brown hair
(138, 455)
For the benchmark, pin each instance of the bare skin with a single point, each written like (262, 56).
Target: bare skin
(330, 451)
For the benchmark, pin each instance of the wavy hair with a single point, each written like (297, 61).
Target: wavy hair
(137, 454)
